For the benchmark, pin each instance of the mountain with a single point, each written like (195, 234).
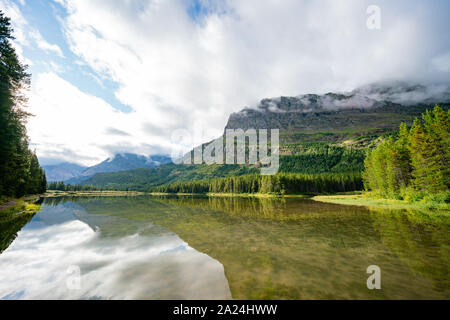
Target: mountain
(145, 178)
(121, 162)
(126, 161)
(325, 133)
(63, 171)
(336, 117)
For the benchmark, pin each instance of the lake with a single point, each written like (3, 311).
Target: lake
(148, 247)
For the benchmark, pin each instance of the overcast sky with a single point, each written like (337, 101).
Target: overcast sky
(124, 75)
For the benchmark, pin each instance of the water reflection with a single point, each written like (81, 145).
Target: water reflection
(9, 226)
(181, 247)
(151, 263)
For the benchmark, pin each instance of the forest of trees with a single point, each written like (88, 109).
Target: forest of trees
(322, 158)
(415, 165)
(281, 183)
(310, 158)
(61, 186)
(19, 167)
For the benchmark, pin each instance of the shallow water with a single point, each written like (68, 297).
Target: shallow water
(224, 248)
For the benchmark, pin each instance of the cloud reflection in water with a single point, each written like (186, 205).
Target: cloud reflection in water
(136, 266)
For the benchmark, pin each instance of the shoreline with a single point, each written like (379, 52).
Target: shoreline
(112, 193)
(237, 195)
(106, 193)
(364, 200)
(356, 198)
(19, 206)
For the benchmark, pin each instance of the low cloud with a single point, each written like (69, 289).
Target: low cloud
(406, 93)
(367, 96)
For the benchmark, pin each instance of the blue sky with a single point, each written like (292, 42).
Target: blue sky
(162, 76)
(45, 16)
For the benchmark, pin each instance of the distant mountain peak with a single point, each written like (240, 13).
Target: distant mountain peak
(63, 171)
(121, 162)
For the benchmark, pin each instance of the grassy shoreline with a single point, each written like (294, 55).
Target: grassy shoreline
(364, 200)
(15, 207)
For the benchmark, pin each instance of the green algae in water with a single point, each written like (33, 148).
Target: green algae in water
(276, 248)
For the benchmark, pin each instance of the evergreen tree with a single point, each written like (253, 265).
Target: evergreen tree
(437, 126)
(429, 144)
(403, 156)
(418, 160)
(19, 169)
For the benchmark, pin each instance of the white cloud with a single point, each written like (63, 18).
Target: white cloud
(178, 72)
(56, 67)
(74, 126)
(44, 45)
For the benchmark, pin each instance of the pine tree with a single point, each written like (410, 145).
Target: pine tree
(19, 169)
(429, 151)
(437, 125)
(418, 160)
(403, 157)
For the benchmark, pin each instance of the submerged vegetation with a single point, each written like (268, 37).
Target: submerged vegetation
(263, 243)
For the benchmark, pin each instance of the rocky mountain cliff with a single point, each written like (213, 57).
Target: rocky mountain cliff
(372, 109)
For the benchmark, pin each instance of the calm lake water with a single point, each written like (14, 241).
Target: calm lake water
(223, 248)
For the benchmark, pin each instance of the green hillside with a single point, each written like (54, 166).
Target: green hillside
(309, 158)
(145, 179)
